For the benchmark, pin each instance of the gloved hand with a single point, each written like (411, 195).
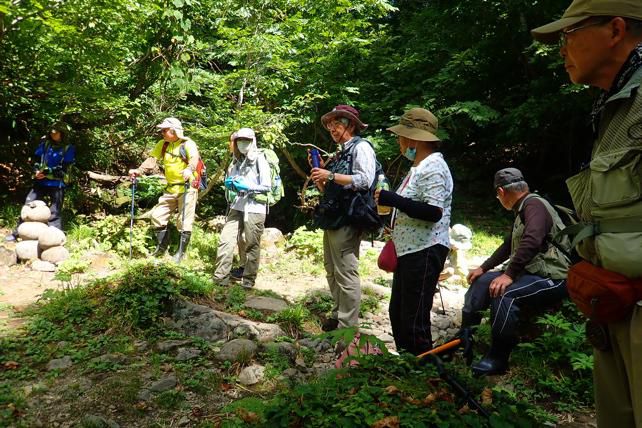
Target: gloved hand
(229, 183)
(187, 174)
(241, 184)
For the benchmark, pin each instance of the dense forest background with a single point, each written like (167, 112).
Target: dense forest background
(113, 69)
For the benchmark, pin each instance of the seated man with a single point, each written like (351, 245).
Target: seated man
(534, 277)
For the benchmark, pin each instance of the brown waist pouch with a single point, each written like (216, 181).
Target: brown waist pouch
(600, 294)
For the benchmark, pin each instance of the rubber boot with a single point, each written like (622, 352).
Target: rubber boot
(496, 360)
(182, 246)
(162, 236)
(470, 319)
(469, 323)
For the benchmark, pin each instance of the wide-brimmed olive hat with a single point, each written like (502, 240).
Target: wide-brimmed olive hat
(343, 110)
(580, 10)
(417, 124)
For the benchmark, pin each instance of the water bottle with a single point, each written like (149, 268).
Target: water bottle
(382, 184)
(316, 158)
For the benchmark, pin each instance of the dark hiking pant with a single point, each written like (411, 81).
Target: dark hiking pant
(413, 287)
(527, 291)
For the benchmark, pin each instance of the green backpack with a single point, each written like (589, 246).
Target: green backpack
(276, 193)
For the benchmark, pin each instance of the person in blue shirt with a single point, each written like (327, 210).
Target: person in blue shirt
(52, 161)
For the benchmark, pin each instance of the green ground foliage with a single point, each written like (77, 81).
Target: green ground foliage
(550, 369)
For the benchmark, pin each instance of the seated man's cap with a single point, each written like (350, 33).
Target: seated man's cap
(507, 176)
(580, 10)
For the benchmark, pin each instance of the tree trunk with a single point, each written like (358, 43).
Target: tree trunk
(293, 163)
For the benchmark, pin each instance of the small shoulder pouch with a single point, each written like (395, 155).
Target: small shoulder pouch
(387, 260)
(602, 295)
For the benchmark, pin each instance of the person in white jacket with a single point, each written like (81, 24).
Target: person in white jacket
(247, 176)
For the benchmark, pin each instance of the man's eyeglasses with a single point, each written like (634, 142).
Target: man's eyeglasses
(564, 33)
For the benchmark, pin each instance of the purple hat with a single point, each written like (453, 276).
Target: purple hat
(346, 111)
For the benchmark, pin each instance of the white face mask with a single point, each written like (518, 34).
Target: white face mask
(243, 146)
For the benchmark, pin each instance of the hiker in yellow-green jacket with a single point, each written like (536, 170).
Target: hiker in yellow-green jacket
(179, 157)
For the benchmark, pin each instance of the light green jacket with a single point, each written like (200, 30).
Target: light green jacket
(608, 193)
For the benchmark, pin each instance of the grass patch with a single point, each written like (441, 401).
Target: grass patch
(485, 242)
(9, 212)
(292, 319)
(170, 400)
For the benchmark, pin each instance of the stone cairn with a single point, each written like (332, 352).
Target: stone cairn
(39, 243)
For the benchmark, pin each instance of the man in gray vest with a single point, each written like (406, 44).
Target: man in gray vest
(601, 43)
(534, 276)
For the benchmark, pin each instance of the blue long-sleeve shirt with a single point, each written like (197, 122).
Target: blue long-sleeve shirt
(54, 156)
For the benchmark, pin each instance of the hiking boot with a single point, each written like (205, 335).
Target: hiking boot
(162, 236)
(496, 360)
(237, 274)
(223, 282)
(10, 238)
(330, 324)
(182, 246)
(247, 285)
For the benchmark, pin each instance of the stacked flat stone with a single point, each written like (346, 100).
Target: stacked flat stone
(42, 244)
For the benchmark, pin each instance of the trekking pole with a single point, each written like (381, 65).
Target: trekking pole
(184, 203)
(441, 348)
(454, 383)
(432, 356)
(131, 221)
(443, 308)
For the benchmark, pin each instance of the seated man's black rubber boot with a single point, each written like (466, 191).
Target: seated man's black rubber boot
(496, 360)
(470, 319)
(162, 236)
(182, 246)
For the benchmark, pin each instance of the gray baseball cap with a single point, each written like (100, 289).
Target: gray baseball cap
(507, 176)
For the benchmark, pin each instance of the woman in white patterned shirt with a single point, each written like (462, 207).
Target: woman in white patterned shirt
(420, 234)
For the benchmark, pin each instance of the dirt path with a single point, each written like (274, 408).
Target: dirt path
(19, 287)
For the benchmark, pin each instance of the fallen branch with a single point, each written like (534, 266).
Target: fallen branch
(105, 178)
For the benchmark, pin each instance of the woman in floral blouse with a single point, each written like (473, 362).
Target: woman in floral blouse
(421, 219)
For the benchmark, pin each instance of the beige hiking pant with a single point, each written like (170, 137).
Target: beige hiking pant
(169, 203)
(251, 228)
(341, 260)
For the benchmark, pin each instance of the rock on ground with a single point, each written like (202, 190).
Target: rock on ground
(55, 254)
(27, 250)
(35, 211)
